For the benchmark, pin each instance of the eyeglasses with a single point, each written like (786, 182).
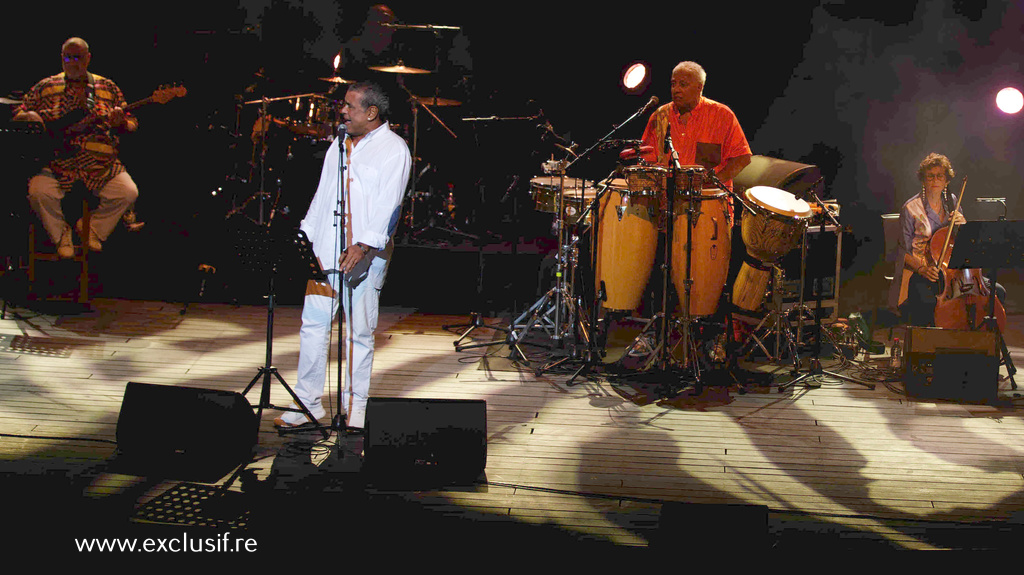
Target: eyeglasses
(931, 177)
(73, 57)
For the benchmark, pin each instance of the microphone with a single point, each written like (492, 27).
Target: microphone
(342, 131)
(647, 107)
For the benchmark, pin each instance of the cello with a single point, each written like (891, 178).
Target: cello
(962, 298)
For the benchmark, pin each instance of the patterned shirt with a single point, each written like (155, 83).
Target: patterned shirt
(94, 159)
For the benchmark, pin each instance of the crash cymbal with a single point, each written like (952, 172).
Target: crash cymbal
(400, 68)
(337, 80)
(436, 101)
(9, 101)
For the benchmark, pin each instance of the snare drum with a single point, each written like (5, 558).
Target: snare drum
(775, 228)
(711, 247)
(544, 190)
(627, 238)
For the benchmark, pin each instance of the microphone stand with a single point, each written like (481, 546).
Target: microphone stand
(815, 368)
(338, 421)
(577, 306)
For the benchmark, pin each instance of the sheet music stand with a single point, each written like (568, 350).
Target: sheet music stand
(261, 251)
(991, 245)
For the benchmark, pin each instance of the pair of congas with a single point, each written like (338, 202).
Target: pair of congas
(628, 238)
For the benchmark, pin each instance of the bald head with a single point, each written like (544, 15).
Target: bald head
(75, 58)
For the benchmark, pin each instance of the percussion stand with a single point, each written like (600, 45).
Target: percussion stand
(815, 368)
(584, 327)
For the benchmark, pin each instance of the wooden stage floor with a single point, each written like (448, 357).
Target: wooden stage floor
(839, 466)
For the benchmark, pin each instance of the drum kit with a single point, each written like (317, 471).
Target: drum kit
(651, 224)
(309, 121)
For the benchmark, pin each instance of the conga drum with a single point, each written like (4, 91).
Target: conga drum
(775, 228)
(627, 237)
(711, 239)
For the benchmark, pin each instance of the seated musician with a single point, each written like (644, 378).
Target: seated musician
(89, 156)
(913, 290)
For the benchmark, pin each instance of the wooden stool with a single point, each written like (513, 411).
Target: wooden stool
(81, 255)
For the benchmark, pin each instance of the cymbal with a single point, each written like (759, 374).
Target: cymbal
(9, 101)
(436, 101)
(337, 80)
(400, 68)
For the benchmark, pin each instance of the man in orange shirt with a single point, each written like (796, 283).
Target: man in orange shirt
(704, 132)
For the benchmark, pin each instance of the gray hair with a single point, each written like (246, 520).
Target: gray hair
(692, 68)
(371, 94)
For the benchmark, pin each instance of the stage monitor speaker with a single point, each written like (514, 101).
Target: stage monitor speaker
(183, 433)
(715, 527)
(793, 177)
(425, 441)
(951, 364)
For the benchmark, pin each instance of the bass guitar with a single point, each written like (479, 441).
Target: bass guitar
(65, 129)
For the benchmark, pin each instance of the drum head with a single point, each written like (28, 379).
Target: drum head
(552, 183)
(778, 201)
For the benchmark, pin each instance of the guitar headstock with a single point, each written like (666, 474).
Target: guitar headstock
(165, 94)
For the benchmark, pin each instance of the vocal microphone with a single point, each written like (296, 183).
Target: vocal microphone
(800, 195)
(647, 107)
(342, 131)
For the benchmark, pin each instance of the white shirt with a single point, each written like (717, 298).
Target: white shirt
(378, 173)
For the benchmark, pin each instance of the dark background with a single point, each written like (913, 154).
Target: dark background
(864, 92)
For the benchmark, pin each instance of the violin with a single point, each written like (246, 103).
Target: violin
(962, 298)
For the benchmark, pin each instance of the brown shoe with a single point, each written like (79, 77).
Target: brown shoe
(65, 247)
(95, 245)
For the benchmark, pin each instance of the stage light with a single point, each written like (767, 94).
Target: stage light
(1010, 100)
(337, 61)
(635, 76)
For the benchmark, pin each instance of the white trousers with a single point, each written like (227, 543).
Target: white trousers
(45, 195)
(314, 342)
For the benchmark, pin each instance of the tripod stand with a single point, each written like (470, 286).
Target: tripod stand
(815, 368)
(260, 251)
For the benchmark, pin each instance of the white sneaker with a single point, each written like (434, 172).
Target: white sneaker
(297, 418)
(357, 417)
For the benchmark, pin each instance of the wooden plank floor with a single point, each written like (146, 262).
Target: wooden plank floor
(579, 461)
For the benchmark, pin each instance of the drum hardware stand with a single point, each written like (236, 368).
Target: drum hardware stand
(815, 368)
(262, 193)
(778, 325)
(590, 355)
(431, 220)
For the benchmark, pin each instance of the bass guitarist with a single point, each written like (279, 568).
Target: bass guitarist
(85, 113)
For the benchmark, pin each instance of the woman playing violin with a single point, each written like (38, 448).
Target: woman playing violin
(920, 217)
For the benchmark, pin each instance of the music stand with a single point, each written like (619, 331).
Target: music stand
(991, 245)
(261, 251)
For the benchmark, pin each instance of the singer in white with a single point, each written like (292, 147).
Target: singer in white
(376, 172)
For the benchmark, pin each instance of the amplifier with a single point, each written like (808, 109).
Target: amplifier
(951, 364)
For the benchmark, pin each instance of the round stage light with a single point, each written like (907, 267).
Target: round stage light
(634, 76)
(1010, 100)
